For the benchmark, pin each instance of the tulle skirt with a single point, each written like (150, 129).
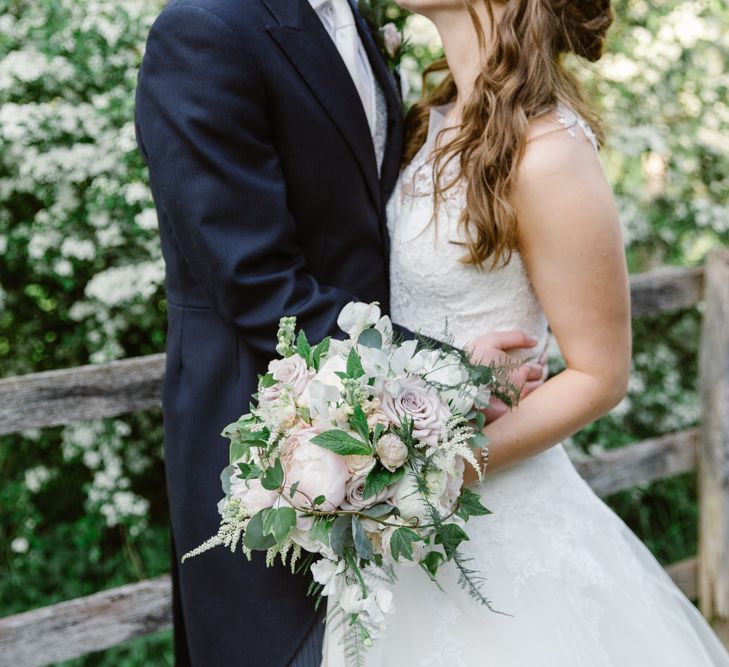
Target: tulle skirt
(575, 585)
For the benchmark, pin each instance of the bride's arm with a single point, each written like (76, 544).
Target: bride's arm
(572, 246)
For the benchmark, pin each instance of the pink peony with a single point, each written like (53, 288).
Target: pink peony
(253, 497)
(318, 471)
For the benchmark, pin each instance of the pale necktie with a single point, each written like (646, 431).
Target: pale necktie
(346, 39)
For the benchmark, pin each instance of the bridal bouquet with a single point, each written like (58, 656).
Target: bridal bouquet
(354, 455)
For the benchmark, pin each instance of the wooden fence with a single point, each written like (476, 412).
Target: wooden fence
(78, 627)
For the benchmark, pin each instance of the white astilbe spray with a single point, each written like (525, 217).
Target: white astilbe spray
(232, 525)
(455, 441)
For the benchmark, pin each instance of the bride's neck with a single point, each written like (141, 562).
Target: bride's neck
(461, 45)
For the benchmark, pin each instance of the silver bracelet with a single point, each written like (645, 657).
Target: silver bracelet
(484, 460)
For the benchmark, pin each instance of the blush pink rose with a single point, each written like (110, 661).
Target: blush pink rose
(253, 497)
(417, 401)
(292, 371)
(318, 471)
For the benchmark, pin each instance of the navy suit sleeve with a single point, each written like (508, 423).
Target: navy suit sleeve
(203, 127)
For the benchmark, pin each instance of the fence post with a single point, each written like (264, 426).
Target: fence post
(713, 466)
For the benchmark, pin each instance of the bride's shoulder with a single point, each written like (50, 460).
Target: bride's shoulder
(560, 147)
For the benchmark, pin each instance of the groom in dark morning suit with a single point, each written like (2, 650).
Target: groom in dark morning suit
(263, 162)
(273, 133)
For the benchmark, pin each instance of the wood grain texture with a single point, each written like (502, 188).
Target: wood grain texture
(77, 627)
(64, 396)
(714, 450)
(647, 461)
(60, 397)
(665, 289)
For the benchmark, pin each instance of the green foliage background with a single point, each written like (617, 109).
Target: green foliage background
(83, 508)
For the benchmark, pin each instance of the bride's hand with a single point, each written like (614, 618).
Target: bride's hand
(494, 347)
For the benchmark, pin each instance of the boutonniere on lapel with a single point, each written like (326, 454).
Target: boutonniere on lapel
(386, 30)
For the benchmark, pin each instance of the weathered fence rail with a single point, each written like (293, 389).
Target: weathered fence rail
(78, 627)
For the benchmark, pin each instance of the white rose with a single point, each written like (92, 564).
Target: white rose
(415, 400)
(447, 370)
(291, 371)
(392, 451)
(328, 573)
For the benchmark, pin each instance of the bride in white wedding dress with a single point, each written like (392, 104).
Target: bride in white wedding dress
(577, 588)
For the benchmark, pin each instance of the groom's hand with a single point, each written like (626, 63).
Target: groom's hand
(497, 347)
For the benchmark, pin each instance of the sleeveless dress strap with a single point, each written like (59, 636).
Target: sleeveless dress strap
(571, 120)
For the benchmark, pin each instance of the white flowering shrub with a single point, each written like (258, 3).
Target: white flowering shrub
(82, 507)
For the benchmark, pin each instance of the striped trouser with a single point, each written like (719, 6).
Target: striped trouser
(309, 654)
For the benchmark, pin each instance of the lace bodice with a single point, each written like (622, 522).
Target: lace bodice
(430, 287)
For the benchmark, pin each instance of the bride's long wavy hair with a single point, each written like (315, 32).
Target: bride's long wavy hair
(523, 78)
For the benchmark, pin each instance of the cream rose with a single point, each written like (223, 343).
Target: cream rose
(356, 463)
(318, 471)
(415, 400)
(392, 451)
(408, 500)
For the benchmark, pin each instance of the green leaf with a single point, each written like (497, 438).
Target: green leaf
(237, 450)
(354, 365)
(319, 500)
(293, 488)
(249, 471)
(358, 422)
(450, 536)
(255, 539)
(370, 338)
(432, 562)
(480, 420)
(341, 443)
(378, 478)
(266, 381)
(320, 530)
(478, 441)
(279, 521)
(340, 535)
(273, 477)
(469, 504)
(401, 543)
(361, 542)
(303, 348)
(225, 476)
(320, 351)
(379, 430)
(378, 510)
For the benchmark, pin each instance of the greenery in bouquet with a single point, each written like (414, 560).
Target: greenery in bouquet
(355, 451)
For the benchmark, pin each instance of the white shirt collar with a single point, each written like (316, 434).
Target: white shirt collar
(316, 5)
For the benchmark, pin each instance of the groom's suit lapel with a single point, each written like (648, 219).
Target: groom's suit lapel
(302, 36)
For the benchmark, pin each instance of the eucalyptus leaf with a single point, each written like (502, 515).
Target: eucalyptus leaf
(340, 535)
(478, 441)
(370, 338)
(254, 538)
(362, 543)
(378, 510)
(225, 476)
